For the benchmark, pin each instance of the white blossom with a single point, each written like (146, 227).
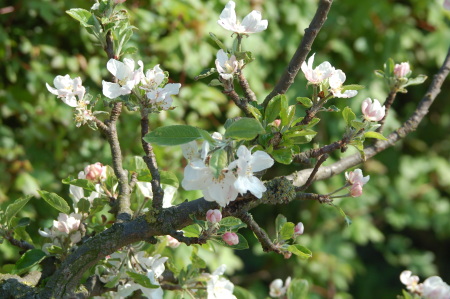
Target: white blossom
(153, 78)
(246, 164)
(127, 77)
(226, 67)
(65, 226)
(356, 177)
(372, 111)
(411, 281)
(435, 288)
(319, 74)
(277, 289)
(252, 23)
(336, 81)
(219, 287)
(67, 89)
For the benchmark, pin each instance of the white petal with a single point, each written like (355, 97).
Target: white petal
(256, 187)
(227, 18)
(260, 161)
(113, 90)
(252, 22)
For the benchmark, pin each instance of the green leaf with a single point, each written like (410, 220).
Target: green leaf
(215, 82)
(379, 73)
(29, 259)
(300, 251)
(83, 205)
(142, 279)
(287, 231)
(306, 102)
(206, 136)
(218, 162)
(14, 208)
(197, 261)
(287, 115)
(55, 201)
(217, 41)
(352, 87)
(346, 218)
(375, 135)
(244, 129)
(331, 108)
(298, 289)
(279, 222)
(283, 156)
(242, 293)
(81, 15)
(85, 184)
(247, 56)
(416, 81)
(255, 112)
(129, 50)
(169, 178)
(23, 222)
(358, 125)
(205, 73)
(230, 221)
(172, 135)
(53, 249)
(389, 67)
(192, 231)
(348, 115)
(273, 108)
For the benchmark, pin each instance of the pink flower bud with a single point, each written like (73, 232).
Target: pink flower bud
(172, 242)
(372, 111)
(95, 172)
(230, 238)
(401, 70)
(287, 254)
(277, 122)
(356, 190)
(213, 216)
(299, 229)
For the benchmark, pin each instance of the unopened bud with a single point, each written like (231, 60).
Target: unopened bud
(213, 216)
(95, 172)
(230, 238)
(401, 70)
(299, 229)
(356, 190)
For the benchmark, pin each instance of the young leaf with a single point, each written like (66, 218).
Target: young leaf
(205, 73)
(83, 205)
(14, 208)
(306, 102)
(169, 178)
(85, 184)
(375, 135)
(283, 156)
(352, 87)
(29, 259)
(287, 231)
(55, 201)
(217, 41)
(348, 115)
(142, 279)
(300, 251)
(279, 222)
(358, 125)
(81, 15)
(416, 81)
(244, 129)
(255, 112)
(273, 109)
(298, 289)
(172, 135)
(230, 221)
(206, 136)
(218, 162)
(287, 115)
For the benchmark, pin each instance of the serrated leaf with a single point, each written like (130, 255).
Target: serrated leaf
(375, 135)
(193, 230)
(169, 178)
(287, 231)
(218, 161)
(247, 56)
(55, 201)
(85, 184)
(230, 221)
(142, 279)
(81, 15)
(217, 41)
(300, 251)
(306, 102)
(129, 50)
(83, 205)
(27, 260)
(172, 135)
(298, 289)
(283, 156)
(273, 109)
(205, 73)
(14, 208)
(348, 115)
(244, 129)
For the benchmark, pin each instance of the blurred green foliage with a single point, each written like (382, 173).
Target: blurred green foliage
(402, 220)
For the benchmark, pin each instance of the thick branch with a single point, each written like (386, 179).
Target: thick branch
(150, 160)
(303, 49)
(299, 178)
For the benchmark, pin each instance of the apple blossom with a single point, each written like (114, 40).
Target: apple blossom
(411, 282)
(252, 23)
(218, 287)
(319, 74)
(214, 216)
(336, 81)
(435, 288)
(161, 97)
(83, 114)
(153, 78)
(95, 172)
(356, 190)
(226, 67)
(277, 289)
(127, 77)
(67, 89)
(172, 242)
(402, 70)
(299, 229)
(372, 111)
(66, 225)
(230, 238)
(356, 177)
(78, 192)
(246, 164)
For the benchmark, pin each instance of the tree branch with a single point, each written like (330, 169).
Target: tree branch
(313, 172)
(388, 103)
(248, 92)
(303, 49)
(242, 104)
(299, 178)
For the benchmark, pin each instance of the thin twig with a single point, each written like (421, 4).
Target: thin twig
(322, 159)
(248, 92)
(241, 103)
(150, 160)
(303, 49)
(317, 152)
(388, 103)
(322, 198)
(18, 243)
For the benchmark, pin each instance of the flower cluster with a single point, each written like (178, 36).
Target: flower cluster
(252, 23)
(325, 74)
(237, 178)
(277, 289)
(64, 229)
(432, 288)
(226, 67)
(152, 82)
(356, 180)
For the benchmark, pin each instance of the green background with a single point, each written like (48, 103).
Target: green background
(402, 220)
